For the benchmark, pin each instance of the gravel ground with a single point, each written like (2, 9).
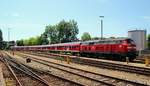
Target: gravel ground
(119, 62)
(53, 81)
(118, 74)
(2, 81)
(59, 73)
(10, 81)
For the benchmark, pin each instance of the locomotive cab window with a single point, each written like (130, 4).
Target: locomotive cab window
(130, 41)
(91, 43)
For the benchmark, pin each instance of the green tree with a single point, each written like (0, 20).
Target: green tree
(86, 36)
(52, 34)
(20, 42)
(67, 31)
(64, 31)
(43, 39)
(26, 42)
(33, 41)
(112, 37)
(5, 44)
(148, 42)
(1, 39)
(38, 40)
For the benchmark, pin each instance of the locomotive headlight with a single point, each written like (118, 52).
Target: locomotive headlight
(120, 46)
(129, 47)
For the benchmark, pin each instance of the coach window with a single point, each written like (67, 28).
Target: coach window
(85, 48)
(91, 43)
(89, 48)
(77, 47)
(70, 47)
(74, 47)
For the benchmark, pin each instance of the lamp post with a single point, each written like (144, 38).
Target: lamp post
(101, 17)
(8, 34)
(8, 37)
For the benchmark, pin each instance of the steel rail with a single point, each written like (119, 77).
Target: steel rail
(78, 84)
(11, 70)
(75, 73)
(26, 70)
(38, 60)
(29, 73)
(108, 65)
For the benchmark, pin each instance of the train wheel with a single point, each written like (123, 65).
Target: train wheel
(131, 59)
(122, 59)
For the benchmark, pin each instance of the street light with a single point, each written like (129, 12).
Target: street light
(101, 17)
(8, 34)
(8, 37)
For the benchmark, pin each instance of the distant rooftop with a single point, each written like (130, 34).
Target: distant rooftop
(137, 31)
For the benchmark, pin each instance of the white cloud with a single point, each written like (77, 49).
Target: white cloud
(146, 17)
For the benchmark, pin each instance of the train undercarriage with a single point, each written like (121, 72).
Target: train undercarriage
(110, 56)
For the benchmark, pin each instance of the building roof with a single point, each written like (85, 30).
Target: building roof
(137, 31)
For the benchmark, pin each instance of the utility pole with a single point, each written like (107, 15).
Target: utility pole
(8, 36)
(101, 17)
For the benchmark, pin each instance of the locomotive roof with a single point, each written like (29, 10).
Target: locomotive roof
(108, 39)
(75, 43)
(60, 44)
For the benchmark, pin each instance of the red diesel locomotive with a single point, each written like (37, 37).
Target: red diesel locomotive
(110, 48)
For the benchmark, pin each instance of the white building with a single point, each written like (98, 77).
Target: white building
(139, 37)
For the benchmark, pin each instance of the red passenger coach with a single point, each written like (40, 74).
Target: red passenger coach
(63, 47)
(111, 48)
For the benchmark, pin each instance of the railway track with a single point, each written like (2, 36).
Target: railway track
(101, 64)
(12, 72)
(106, 80)
(13, 65)
(57, 76)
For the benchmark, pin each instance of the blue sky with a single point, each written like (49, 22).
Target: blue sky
(28, 18)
